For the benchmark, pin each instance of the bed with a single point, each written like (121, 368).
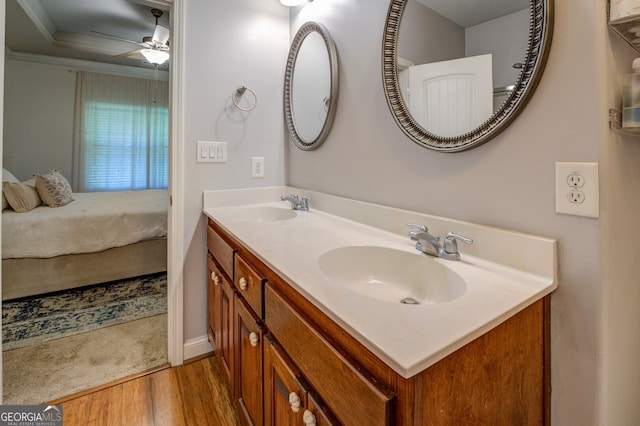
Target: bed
(96, 238)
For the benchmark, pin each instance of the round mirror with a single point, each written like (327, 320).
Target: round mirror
(311, 86)
(456, 73)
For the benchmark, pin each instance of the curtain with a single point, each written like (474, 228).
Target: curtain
(121, 135)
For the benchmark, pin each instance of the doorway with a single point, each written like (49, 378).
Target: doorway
(173, 325)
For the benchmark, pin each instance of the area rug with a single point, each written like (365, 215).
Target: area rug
(51, 370)
(38, 319)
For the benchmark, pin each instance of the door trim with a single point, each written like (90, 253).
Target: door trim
(175, 284)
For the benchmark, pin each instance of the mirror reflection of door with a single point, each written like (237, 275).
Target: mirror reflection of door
(439, 32)
(451, 97)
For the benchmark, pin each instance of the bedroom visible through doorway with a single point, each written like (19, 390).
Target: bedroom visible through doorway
(143, 260)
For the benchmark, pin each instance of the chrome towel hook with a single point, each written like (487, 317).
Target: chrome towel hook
(239, 92)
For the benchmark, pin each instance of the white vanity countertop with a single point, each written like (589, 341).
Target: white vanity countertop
(409, 338)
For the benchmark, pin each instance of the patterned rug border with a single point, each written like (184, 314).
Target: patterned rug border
(44, 318)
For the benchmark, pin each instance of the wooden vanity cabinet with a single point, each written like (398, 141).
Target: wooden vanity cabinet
(249, 335)
(213, 301)
(349, 391)
(287, 400)
(220, 305)
(284, 396)
(225, 349)
(236, 330)
(249, 283)
(219, 317)
(500, 378)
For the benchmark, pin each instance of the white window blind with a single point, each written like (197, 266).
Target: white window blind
(121, 139)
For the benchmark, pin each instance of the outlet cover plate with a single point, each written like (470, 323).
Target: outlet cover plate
(577, 189)
(257, 167)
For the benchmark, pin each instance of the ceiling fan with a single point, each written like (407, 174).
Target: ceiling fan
(154, 48)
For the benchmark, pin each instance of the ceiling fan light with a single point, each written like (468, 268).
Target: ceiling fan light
(156, 57)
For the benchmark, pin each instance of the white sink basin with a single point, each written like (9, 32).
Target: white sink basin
(264, 214)
(392, 275)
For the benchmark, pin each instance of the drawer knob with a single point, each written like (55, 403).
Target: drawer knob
(294, 401)
(254, 339)
(215, 278)
(308, 418)
(243, 283)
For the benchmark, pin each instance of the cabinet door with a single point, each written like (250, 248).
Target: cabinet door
(285, 399)
(225, 350)
(249, 336)
(213, 303)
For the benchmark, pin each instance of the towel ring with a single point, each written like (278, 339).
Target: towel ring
(241, 91)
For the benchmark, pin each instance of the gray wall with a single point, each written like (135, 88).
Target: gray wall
(39, 104)
(421, 23)
(228, 44)
(509, 183)
(620, 231)
(491, 37)
(38, 118)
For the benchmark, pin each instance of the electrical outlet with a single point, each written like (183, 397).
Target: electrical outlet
(577, 189)
(575, 180)
(576, 197)
(257, 167)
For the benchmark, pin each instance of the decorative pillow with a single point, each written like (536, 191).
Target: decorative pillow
(54, 189)
(22, 197)
(7, 176)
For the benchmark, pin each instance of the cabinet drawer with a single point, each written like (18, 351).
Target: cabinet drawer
(346, 391)
(221, 250)
(249, 284)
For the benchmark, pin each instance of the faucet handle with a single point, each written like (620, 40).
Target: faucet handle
(451, 242)
(416, 229)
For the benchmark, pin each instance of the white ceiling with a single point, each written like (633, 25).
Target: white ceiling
(64, 28)
(469, 13)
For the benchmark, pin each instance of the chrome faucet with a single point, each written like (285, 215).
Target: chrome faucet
(427, 243)
(297, 203)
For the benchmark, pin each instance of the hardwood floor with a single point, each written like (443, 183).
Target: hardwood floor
(192, 394)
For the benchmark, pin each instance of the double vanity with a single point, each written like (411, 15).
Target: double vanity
(324, 310)
(336, 315)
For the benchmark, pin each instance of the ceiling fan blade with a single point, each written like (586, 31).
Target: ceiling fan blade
(126, 55)
(161, 35)
(121, 38)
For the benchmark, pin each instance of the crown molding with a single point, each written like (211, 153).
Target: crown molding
(89, 66)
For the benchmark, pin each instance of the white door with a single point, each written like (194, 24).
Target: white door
(450, 98)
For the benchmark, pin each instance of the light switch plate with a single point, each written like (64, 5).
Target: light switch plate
(211, 152)
(577, 189)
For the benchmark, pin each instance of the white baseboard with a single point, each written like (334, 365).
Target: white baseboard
(196, 347)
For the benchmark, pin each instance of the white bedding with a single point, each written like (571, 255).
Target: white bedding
(92, 222)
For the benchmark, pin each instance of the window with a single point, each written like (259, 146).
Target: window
(122, 134)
